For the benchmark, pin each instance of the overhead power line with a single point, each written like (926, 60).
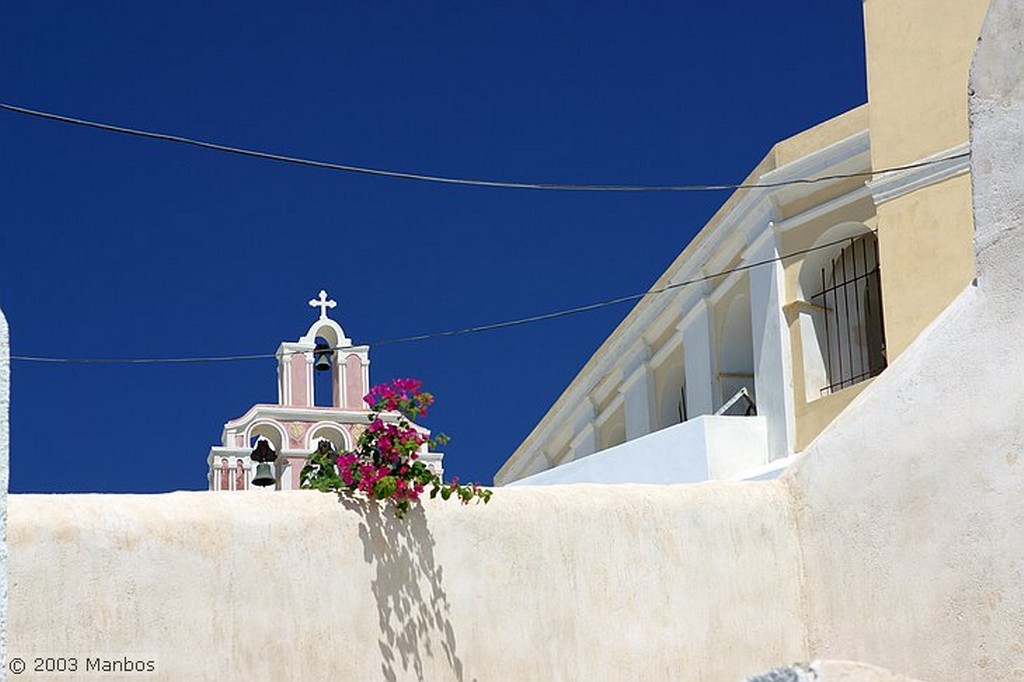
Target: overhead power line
(269, 156)
(451, 332)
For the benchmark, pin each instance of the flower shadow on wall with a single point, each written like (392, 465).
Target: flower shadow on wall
(412, 607)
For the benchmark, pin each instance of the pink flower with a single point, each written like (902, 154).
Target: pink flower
(407, 385)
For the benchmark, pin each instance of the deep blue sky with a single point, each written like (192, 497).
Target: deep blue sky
(116, 246)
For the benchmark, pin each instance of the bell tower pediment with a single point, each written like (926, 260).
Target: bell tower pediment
(323, 348)
(324, 326)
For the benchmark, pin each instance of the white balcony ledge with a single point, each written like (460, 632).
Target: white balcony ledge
(704, 448)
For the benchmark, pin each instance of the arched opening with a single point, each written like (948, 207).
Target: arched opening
(323, 379)
(269, 432)
(329, 432)
(846, 313)
(669, 391)
(735, 337)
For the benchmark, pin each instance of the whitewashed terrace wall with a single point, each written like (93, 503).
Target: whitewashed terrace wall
(558, 583)
(5, 432)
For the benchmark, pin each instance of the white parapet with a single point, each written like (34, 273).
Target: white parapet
(5, 430)
(707, 447)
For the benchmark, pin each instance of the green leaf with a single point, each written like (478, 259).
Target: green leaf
(384, 488)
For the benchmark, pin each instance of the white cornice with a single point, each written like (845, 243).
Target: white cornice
(284, 413)
(293, 347)
(766, 237)
(634, 376)
(635, 356)
(935, 168)
(303, 414)
(823, 209)
(617, 402)
(245, 453)
(824, 161)
(660, 325)
(701, 307)
(588, 431)
(726, 286)
(667, 349)
(582, 415)
(604, 388)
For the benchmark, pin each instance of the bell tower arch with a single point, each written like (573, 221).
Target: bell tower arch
(323, 348)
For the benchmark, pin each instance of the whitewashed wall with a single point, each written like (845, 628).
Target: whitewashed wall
(5, 432)
(555, 583)
(709, 447)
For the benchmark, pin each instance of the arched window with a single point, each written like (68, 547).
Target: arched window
(848, 321)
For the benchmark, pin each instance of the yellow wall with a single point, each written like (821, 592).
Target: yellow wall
(919, 54)
(925, 246)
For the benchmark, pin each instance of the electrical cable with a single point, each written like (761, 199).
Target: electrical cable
(454, 180)
(451, 332)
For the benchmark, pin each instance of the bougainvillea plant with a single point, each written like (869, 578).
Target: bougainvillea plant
(385, 463)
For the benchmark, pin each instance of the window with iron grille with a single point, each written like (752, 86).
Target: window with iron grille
(850, 305)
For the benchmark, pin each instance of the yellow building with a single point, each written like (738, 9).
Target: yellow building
(823, 283)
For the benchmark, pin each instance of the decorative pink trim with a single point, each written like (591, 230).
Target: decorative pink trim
(300, 386)
(354, 389)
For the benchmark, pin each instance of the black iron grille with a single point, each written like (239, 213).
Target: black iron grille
(850, 302)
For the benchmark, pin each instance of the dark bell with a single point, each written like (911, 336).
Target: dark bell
(322, 353)
(264, 474)
(263, 452)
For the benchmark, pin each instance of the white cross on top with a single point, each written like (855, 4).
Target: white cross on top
(323, 303)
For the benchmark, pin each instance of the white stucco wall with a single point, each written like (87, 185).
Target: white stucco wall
(910, 505)
(829, 671)
(552, 583)
(5, 443)
(707, 447)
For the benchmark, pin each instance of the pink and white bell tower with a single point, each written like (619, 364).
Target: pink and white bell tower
(295, 425)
